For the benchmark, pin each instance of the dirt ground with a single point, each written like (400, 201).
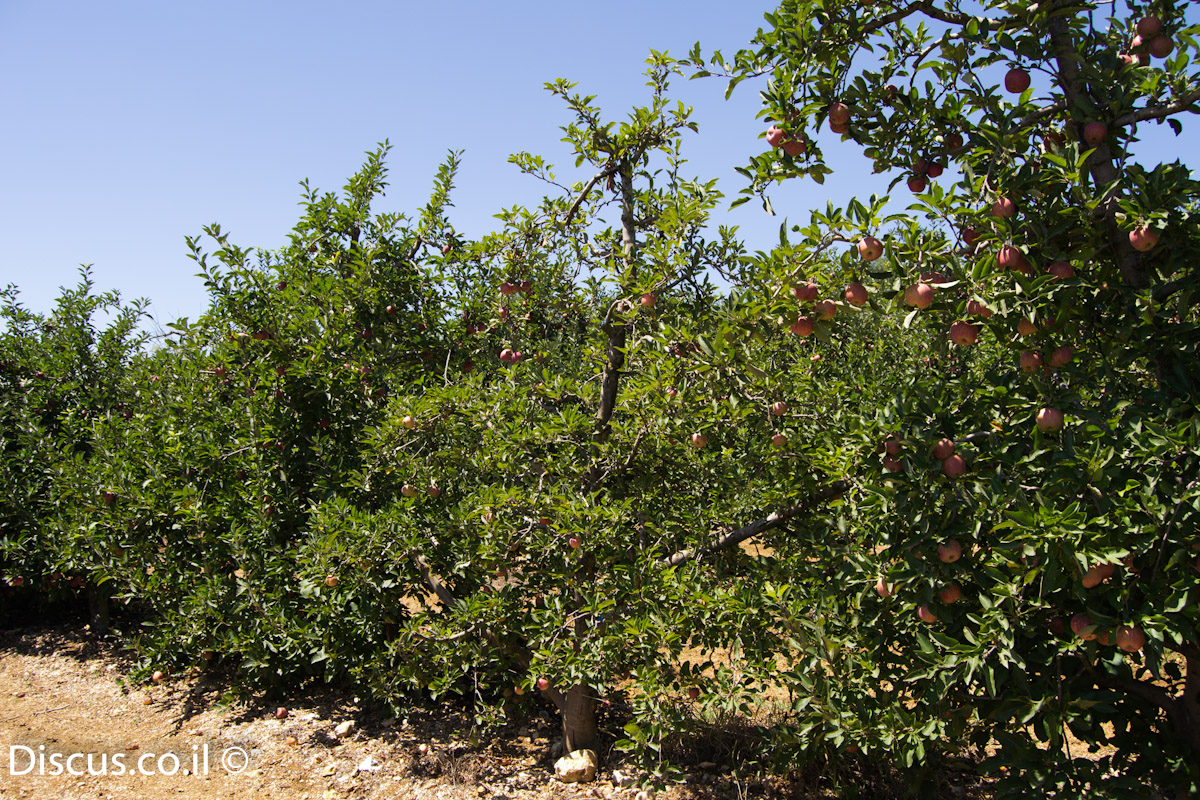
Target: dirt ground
(64, 692)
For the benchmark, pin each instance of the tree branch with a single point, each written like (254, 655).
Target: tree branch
(604, 173)
(1158, 112)
(434, 582)
(1046, 111)
(733, 538)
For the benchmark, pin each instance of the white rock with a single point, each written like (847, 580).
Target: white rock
(578, 767)
(344, 728)
(623, 778)
(369, 764)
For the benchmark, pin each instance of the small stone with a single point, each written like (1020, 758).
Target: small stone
(578, 767)
(369, 764)
(623, 778)
(344, 728)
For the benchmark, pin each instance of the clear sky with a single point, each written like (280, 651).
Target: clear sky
(130, 124)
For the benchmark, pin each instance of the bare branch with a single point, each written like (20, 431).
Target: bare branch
(733, 538)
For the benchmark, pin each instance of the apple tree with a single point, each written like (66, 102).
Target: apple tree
(59, 373)
(1022, 565)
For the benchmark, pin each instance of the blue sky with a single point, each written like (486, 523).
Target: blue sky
(128, 125)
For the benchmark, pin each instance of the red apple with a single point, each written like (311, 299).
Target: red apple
(698, 440)
(408, 490)
(1061, 270)
(775, 136)
(803, 326)
(951, 550)
(779, 408)
(1079, 625)
(934, 170)
(917, 184)
(575, 542)
(964, 333)
(1092, 578)
(856, 294)
(648, 300)
(331, 581)
(543, 684)
(977, 309)
(1004, 207)
(1025, 327)
(158, 676)
(1031, 361)
(1016, 80)
(1011, 257)
(892, 464)
(951, 593)
(843, 127)
(409, 422)
(795, 147)
(1057, 626)
(882, 587)
(694, 693)
(506, 355)
(1161, 46)
(926, 614)
(1049, 420)
(446, 248)
(281, 713)
(807, 292)
(1095, 132)
(919, 295)
(839, 113)
(779, 440)
(1130, 638)
(1149, 26)
(434, 490)
(826, 309)
(869, 248)
(1061, 355)
(1143, 238)
(953, 142)
(943, 449)
(954, 466)
(892, 447)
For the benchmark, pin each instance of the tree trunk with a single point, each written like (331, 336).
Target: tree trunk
(1188, 724)
(578, 708)
(97, 609)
